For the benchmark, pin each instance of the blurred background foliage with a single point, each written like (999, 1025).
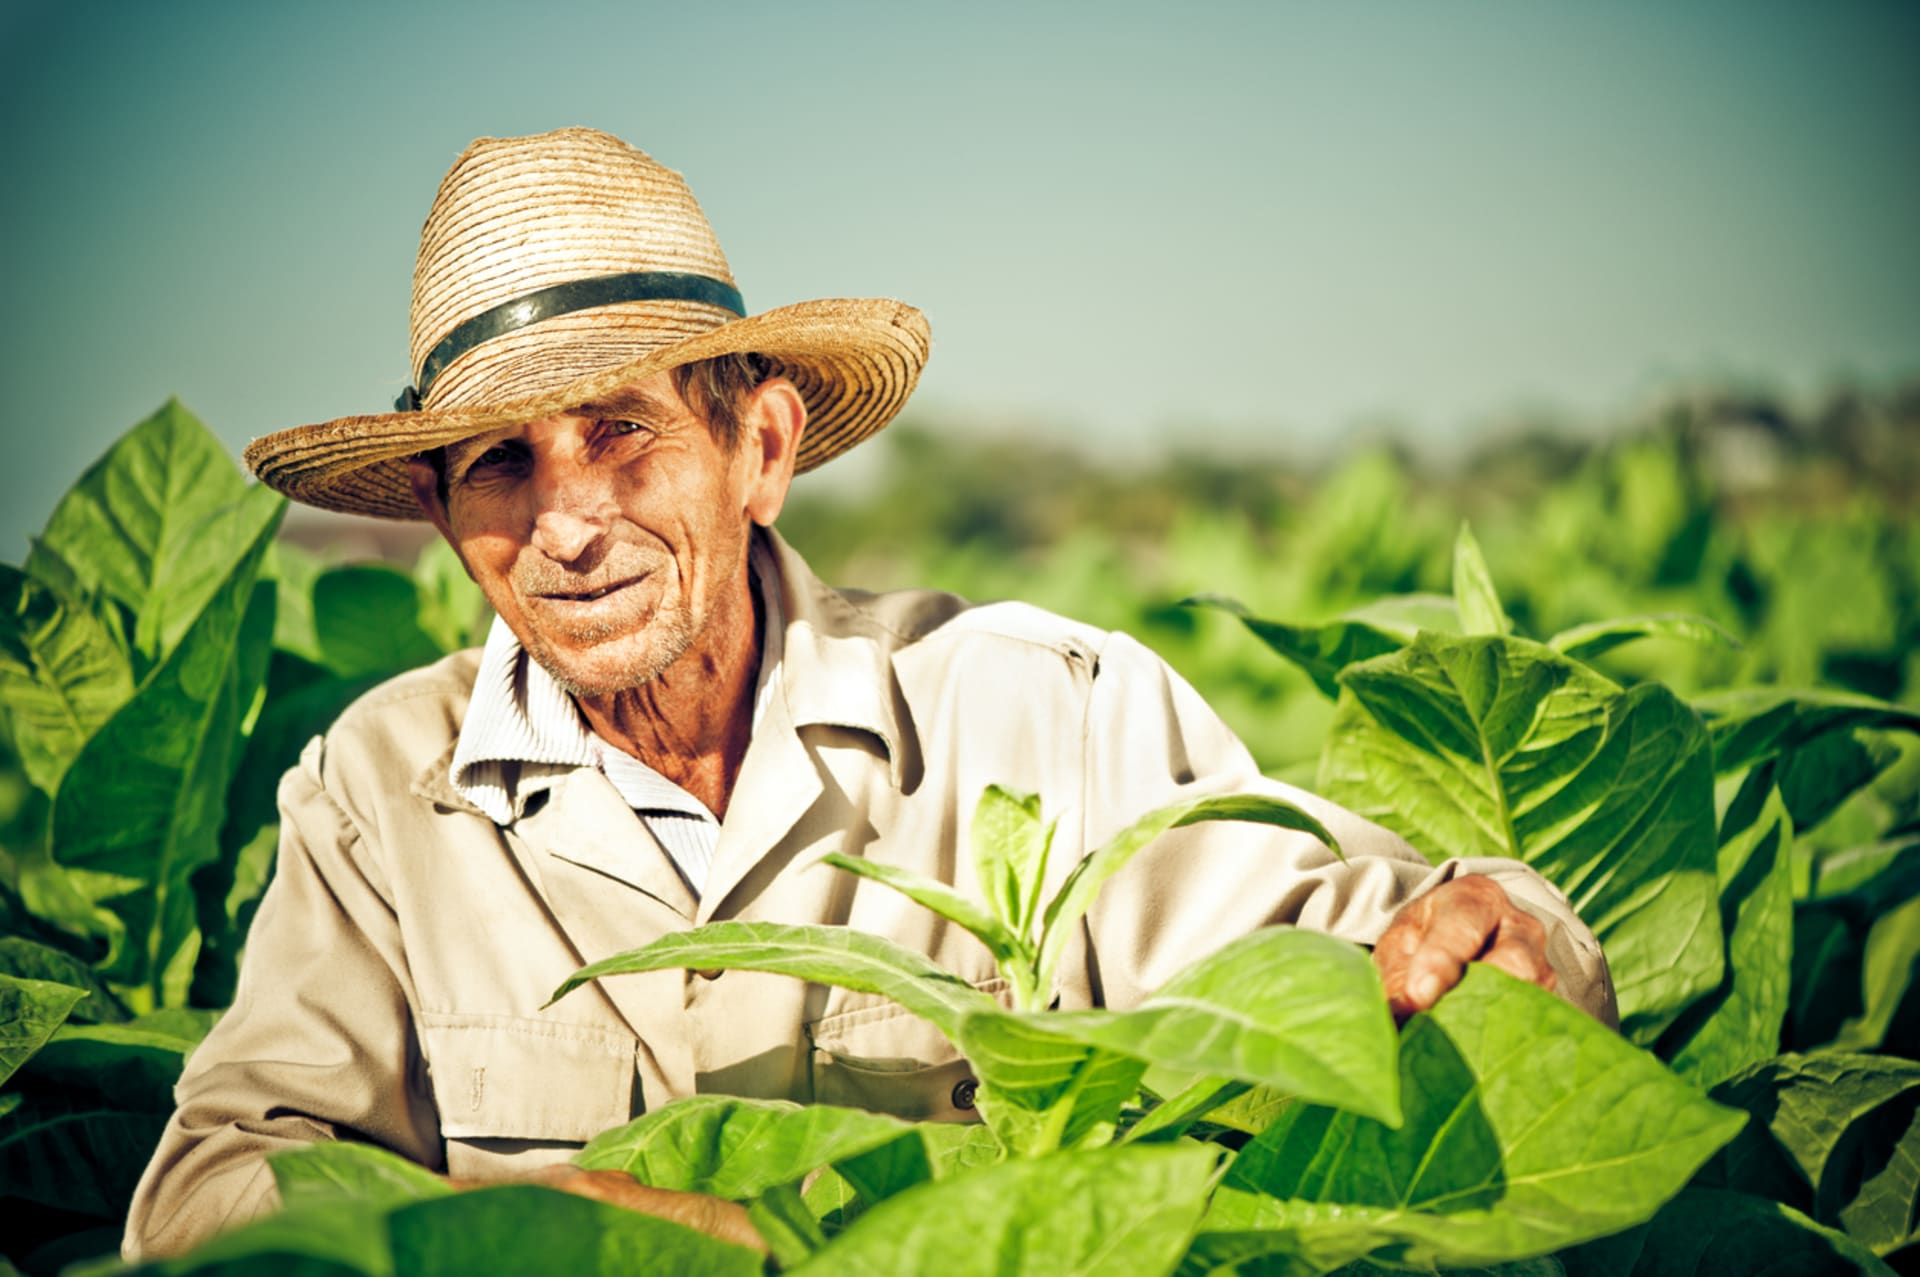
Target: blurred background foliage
(1796, 531)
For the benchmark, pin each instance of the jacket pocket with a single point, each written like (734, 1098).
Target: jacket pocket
(500, 1077)
(887, 1059)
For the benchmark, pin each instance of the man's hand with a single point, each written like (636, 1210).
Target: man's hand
(1425, 949)
(714, 1216)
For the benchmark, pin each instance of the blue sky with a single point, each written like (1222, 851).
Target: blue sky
(1249, 226)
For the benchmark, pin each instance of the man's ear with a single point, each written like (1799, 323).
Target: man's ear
(425, 479)
(771, 427)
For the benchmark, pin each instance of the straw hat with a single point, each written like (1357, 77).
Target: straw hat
(556, 268)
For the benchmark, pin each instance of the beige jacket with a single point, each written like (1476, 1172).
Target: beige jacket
(394, 979)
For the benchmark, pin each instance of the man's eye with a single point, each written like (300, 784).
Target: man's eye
(627, 428)
(494, 459)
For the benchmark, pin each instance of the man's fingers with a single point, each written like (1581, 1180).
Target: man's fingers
(1426, 949)
(1519, 948)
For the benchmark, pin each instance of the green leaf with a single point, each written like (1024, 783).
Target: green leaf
(1115, 1210)
(1007, 948)
(1501, 747)
(342, 1239)
(330, 1172)
(1706, 1230)
(1887, 965)
(30, 1010)
(366, 620)
(453, 611)
(525, 1229)
(1751, 725)
(1817, 777)
(1010, 856)
(1879, 875)
(1473, 590)
(736, 1148)
(1285, 1008)
(76, 1150)
(781, 1217)
(1584, 642)
(1178, 1113)
(1077, 893)
(158, 524)
(62, 674)
(1529, 1126)
(1322, 651)
(135, 1064)
(1834, 1134)
(141, 808)
(30, 960)
(1039, 1090)
(1739, 1023)
(825, 955)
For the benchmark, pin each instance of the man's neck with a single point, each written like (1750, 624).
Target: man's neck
(692, 722)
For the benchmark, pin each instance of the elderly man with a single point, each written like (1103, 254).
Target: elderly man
(671, 722)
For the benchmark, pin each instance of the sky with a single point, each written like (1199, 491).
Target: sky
(1237, 226)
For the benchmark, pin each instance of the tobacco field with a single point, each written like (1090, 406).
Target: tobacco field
(1673, 669)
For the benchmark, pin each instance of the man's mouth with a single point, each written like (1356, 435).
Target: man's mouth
(588, 596)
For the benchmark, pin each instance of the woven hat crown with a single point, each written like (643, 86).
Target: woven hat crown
(516, 215)
(557, 268)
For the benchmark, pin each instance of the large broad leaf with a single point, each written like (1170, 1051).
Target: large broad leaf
(1322, 651)
(1584, 642)
(1529, 1126)
(1709, 1231)
(30, 1010)
(158, 524)
(62, 674)
(335, 1172)
(1077, 893)
(1738, 1024)
(366, 620)
(95, 1099)
(521, 1229)
(134, 1064)
(141, 808)
(76, 1150)
(1834, 1135)
(30, 960)
(825, 955)
(1751, 725)
(1285, 1008)
(736, 1148)
(1117, 1210)
(1501, 747)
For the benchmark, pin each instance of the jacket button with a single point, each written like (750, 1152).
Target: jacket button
(963, 1093)
(710, 973)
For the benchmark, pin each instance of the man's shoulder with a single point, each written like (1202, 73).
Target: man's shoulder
(419, 711)
(930, 617)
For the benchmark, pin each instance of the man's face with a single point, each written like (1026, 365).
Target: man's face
(610, 539)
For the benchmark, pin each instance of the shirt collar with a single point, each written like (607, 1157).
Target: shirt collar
(522, 731)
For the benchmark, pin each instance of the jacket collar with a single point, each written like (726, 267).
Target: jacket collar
(837, 659)
(836, 670)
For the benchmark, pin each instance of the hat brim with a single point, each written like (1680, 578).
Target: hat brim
(854, 362)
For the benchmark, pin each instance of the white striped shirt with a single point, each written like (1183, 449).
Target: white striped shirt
(523, 732)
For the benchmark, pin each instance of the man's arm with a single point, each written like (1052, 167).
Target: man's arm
(1151, 739)
(318, 1045)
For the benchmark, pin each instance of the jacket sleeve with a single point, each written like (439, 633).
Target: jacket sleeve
(318, 1045)
(1150, 739)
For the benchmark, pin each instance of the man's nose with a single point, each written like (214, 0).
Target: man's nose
(569, 512)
